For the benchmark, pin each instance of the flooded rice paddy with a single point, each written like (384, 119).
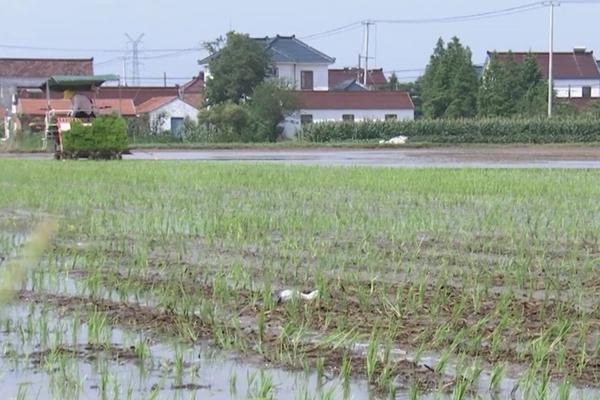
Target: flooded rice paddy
(161, 283)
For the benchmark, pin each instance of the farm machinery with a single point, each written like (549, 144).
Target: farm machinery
(82, 107)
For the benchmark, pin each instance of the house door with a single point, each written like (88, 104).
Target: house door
(176, 125)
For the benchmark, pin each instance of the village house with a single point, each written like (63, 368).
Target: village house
(168, 113)
(172, 103)
(32, 72)
(576, 73)
(295, 62)
(349, 106)
(329, 94)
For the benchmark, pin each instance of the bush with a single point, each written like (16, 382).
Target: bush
(105, 138)
(493, 130)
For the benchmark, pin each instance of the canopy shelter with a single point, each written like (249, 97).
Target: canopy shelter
(72, 85)
(77, 83)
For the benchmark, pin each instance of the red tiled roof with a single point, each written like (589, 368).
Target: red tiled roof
(104, 106)
(139, 94)
(567, 65)
(365, 100)
(376, 77)
(45, 67)
(193, 91)
(154, 103)
(196, 85)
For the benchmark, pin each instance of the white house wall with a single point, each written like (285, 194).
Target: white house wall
(573, 87)
(359, 115)
(292, 122)
(292, 73)
(175, 109)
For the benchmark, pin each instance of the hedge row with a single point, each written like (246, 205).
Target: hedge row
(496, 130)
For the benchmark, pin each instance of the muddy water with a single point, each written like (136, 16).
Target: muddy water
(205, 373)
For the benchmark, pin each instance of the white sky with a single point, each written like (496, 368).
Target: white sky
(168, 24)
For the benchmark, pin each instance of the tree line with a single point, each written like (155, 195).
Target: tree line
(451, 86)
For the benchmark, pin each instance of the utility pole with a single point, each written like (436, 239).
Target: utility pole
(135, 76)
(367, 25)
(124, 77)
(551, 61)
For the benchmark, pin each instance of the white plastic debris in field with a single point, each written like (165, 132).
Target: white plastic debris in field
(395, 140)
(288, 294)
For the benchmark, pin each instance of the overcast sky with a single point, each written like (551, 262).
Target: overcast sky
(181, 24)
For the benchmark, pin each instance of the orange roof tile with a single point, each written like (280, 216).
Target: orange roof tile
(363, 100)
(104, 106)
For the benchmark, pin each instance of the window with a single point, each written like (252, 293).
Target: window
(306, 119)
(348, 117)
(586, 92)
(391, 117)
(275, 72)
(306, 80)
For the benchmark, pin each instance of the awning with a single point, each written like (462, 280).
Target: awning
(77, 82)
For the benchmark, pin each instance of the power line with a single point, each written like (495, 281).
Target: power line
(109, 61)
(332, 32)
(468, 17)
(81, 50)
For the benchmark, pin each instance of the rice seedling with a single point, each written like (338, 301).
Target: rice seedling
(496, 377)
(468, 264)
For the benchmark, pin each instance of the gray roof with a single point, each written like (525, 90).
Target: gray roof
(287, 49)
(350, 85)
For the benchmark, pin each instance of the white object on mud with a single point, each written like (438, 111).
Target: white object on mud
(395, 140)
(290, 294)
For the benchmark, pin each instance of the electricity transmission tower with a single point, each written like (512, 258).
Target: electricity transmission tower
(135, 63)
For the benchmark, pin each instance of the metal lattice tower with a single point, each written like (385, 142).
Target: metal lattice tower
(135, 63)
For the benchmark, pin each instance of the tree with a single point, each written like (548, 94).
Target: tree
(511, 88)
(231, 120)
(450, 84)
(534, 98)
(270, 103)
(393, 83)
(238, 65)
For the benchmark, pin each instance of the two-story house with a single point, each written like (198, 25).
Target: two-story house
(328, 94)
(304, 67)
(575, 73)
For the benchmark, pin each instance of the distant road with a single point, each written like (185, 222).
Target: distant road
(546, 156)
(450, 157)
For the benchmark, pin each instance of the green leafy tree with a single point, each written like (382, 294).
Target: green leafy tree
(450, 84)
(238, 65)
(393, 83)
(434, 94)
(414, 90)
(270, 103)
(511, 88)
(232, 120)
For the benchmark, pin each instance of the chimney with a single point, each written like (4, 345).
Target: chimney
(579, 49)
